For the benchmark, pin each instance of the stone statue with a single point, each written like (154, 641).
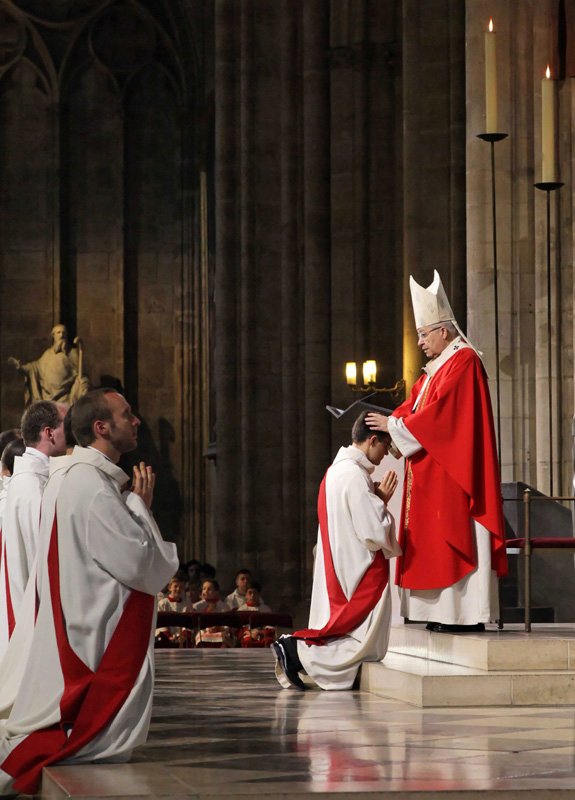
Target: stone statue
(57, 374)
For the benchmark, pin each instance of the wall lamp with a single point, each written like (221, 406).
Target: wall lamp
(369, 372)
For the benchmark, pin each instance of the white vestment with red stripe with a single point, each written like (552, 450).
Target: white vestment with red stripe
(106, 550)
(18, 648)
(20, 526)
(359, 525)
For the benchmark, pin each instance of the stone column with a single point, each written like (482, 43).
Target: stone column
(433, 157)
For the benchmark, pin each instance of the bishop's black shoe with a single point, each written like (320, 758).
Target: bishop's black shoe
(440, 627)
(286, 664)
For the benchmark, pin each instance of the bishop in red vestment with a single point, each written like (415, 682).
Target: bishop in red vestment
(452, 530)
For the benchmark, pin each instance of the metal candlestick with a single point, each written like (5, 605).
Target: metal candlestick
(548, 187)
(492, 138)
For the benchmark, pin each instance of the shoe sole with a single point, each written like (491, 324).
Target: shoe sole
(282, 670)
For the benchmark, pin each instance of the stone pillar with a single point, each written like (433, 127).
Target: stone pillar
(526, 43)
(433, 157)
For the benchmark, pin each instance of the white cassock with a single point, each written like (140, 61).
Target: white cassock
(359, 525)
(475, 597)
(110, 553)
(20, 525)
(17, 651)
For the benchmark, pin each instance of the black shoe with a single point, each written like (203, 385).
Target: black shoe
(285, 668)
(431, 626)
(442, 628)
(290, 646)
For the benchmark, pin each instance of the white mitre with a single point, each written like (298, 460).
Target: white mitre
(431, 306)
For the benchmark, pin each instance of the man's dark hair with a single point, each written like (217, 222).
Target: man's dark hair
(68, 435)
(213, 582)
(86, 411)
(14, 448)
(360, 432)
(40, 415)
(8, 436)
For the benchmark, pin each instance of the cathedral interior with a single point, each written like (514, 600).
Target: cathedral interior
(225, 200)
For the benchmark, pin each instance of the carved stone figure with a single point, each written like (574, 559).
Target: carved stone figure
(57, 375)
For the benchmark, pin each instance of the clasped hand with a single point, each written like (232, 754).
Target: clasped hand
(387, 486)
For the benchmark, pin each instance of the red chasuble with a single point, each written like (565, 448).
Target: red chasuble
(454, 477)
(345, 615)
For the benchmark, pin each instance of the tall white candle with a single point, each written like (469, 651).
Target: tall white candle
(548, 166)
(491, 121)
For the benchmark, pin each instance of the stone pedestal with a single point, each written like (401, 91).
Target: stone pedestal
(497, 668)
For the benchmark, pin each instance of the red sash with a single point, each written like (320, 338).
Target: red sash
(9, 608)
(90, 700)
(344, 615)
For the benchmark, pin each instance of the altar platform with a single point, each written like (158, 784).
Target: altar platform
(222, 727)
(495, 668)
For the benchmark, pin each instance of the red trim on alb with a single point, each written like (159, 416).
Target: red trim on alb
(90, 700)
(345, 615)
(9, 607)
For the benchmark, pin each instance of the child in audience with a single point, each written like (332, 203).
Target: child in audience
(256, 637)
(238, 597)
(216, 635)
(210, 597)
(254, 600)
(174, 601)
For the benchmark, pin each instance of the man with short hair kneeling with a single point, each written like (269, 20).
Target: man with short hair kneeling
(350, 604)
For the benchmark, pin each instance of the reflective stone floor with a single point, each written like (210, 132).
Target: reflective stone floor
(222, 727)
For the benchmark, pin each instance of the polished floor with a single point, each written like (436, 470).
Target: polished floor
(222, 727)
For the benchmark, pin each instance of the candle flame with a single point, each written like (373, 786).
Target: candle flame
(548, 72)
(490, 24)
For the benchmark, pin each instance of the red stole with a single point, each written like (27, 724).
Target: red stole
(90, 700)
(345, 615)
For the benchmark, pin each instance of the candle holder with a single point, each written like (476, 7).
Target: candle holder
(492, 138)
(548, 187)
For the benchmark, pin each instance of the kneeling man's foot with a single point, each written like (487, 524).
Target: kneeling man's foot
(443, 628)
(431, 626)
(286, 669)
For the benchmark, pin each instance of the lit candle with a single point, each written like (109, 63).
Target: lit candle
(491, 121)
(548, 174)
(351, 372)
(369, 371)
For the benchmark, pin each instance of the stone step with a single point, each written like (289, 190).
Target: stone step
(548, 647)
(426, 683)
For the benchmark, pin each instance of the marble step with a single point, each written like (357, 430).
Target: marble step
(547, 647)
(427, 683)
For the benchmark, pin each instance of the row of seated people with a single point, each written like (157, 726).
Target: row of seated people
(245, 597)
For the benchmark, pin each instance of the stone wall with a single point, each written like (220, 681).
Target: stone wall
(528, 39)
(339, 170)
(99, 175)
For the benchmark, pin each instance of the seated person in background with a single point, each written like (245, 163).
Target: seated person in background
(193, 568)
(253, 599)
(255, 637)
(174, 601)
(210, 597)
(238, 597)
(216, 635)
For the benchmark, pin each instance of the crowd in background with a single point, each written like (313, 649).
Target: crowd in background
(194, 590)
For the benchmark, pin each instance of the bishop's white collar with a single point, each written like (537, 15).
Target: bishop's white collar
(452, 348)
